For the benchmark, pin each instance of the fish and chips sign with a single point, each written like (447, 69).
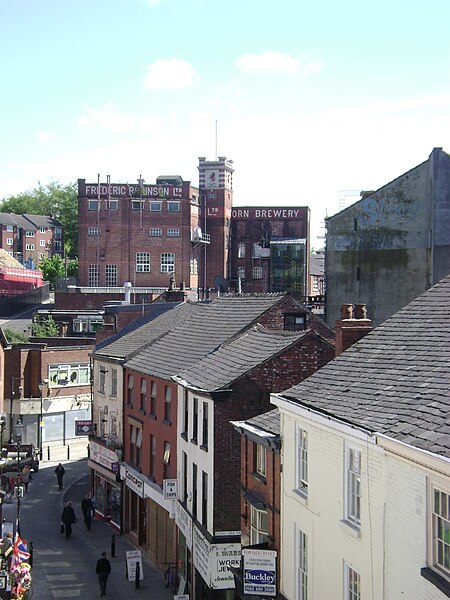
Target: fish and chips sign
(260, 572)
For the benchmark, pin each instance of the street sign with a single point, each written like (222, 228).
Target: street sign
(3, 582)
(170, 489)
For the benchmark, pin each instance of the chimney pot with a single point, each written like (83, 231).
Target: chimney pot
(346, 311)
(360, 311)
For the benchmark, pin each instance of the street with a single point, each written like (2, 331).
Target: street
(66, 568)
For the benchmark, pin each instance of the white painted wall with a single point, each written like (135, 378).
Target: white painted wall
(393, 542)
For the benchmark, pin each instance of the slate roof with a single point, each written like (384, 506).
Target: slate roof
(13, 219)
(142, 331)
(269, 421)
(233, 359)
(42, 220)
(207, 328)
(396, 380)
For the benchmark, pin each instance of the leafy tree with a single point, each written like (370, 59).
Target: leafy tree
(54, 200)
(52, 268)
(15, 337)
(72, 268)
(45, 328)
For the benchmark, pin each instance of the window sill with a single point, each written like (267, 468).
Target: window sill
(184, 436)
(351, 528)
(166, 422)
(194, 441)
(301, 494)
(150, 416)
(204, 448)
(261, 478)
(442, 584)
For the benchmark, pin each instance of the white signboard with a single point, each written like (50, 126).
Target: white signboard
(184, 523)
(170, 489)
(103, 456)
(133, 558)
(260, 572)
(213, 561)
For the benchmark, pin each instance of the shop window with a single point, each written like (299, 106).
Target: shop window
(68, 375)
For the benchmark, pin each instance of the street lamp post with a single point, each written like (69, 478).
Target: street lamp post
(18, 434)
(40, 425)
(11, 402)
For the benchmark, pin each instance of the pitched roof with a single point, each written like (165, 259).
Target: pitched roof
(208, 327)
(269, 421)
(42, 220)
(233, 359)
(396, 380)
(143, 331)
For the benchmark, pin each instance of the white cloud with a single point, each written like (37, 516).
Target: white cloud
(277, 62)
(108, 117)
(43, 136)
(170, 74)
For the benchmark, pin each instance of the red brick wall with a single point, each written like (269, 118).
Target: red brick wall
(350, 331)
(251, 396)
(164, 431)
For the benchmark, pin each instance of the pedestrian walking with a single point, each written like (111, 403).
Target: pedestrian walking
(68, 518)
(86, 508)
(103, 569)
(26, 476)
(59, 472)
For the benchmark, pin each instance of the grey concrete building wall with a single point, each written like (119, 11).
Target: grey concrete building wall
(390, 246)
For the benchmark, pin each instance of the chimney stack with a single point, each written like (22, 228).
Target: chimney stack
(352, 327)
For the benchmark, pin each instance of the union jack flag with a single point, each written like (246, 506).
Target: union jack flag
(20, 553)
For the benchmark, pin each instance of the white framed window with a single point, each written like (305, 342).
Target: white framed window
(137, 204)
(42, 229)
(30, 246)
(92, 204)
(302, 461)
(113, 205)
(257, 272)
(93, 231)
(42, 243)
(113, 382)
(68, 375)
(9, 241)
(173, 206)
(142, 262)
(58, 233)
(241, 272)
(259, 526)
(155, 232)
(111, 275)
(10, 228)
(155, 206)
(352, 584)
(441, 531)
(93, 276)
(260, 459)
(302, 565)
(173, 232)
(167, 262)
(57, 246)
(41, 254)
(241, 250)
(102, 380)
(256, 250)
(29, 233)
(353, 486)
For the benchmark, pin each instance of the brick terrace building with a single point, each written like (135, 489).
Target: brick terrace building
(29, 238)
(260, 484)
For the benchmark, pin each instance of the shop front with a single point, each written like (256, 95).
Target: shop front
(106, 484)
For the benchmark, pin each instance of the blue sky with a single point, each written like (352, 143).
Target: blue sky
(314, 101)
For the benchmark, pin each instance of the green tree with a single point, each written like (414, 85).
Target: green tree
(45, 328)
(72, 268)
(54, 200)
(52, 268)
(15, 337)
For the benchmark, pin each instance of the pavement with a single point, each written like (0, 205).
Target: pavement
(66, 568)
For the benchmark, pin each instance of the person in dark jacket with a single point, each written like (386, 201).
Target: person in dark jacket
(86, 508)
(68, 518)
(103, 569)
(59, 472)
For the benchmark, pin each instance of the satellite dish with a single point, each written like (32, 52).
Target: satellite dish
(221, 284)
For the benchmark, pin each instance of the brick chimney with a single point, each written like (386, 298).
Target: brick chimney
(352, 326)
